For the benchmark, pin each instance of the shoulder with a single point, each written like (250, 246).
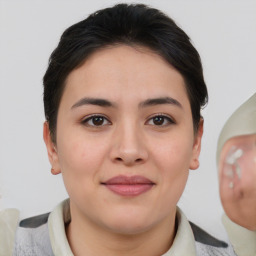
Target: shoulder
(208, 245)
(203, 237)
(32, 237)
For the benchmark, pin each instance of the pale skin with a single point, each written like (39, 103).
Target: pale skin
(143, 126)
(239, 201)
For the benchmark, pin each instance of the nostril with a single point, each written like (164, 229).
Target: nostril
(120, 159)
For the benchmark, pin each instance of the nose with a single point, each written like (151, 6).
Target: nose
(128, 146)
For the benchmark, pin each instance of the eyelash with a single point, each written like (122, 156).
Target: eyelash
(166, 118)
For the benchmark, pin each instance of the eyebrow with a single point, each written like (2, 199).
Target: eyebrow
(160, 101)
(146, 103)
(93, 101)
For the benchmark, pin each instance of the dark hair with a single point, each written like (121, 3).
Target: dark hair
(130, 25)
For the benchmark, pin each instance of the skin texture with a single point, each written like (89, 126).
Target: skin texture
(128, 142)
(239, 202)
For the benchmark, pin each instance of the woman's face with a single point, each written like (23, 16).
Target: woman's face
(125, 139)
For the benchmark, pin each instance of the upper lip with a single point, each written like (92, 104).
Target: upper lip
(128, 180)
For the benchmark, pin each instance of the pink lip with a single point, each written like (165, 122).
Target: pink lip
(129, 186)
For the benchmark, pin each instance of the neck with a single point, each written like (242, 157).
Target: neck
(87, 238)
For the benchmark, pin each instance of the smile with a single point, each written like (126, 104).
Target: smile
(128, 186)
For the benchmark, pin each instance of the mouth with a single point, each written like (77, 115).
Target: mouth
(128, 186)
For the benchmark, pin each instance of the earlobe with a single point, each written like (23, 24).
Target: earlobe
(194, 164)
(51, 150)
(55, 172)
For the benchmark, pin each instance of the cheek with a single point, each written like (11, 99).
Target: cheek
(173, 161)
(80, 157)
(173, 156)
(80, 166)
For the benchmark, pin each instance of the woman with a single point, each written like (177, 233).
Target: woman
(122, 96)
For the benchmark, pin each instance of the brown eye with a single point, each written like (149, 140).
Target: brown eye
(96, 121)
(160, 120)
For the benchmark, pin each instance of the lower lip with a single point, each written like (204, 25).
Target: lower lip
(129, 189)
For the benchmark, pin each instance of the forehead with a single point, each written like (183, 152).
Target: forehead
(125, 71)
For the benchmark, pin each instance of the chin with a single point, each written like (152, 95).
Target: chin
(129, 228)
(129, 222)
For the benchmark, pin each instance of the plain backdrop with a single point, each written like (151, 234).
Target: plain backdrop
(224, 33)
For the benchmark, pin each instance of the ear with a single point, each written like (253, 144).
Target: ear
(52, 150)
(194, 163)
